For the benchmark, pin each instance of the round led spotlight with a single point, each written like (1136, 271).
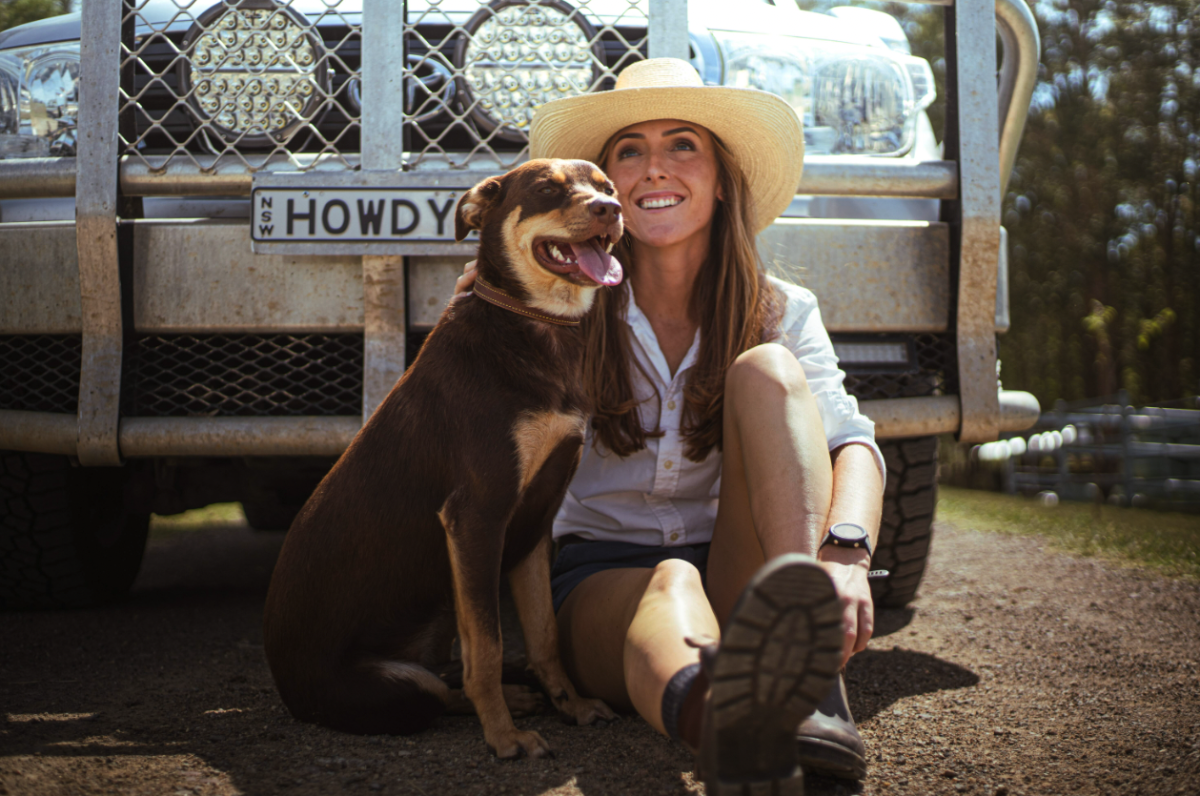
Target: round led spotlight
(253, 71)
(517, 55)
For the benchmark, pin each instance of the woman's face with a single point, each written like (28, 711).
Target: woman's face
(667, 180)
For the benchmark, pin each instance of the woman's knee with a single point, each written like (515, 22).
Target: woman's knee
(767, 369)
(675, 578)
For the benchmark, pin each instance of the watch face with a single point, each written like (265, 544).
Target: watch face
(848, 532)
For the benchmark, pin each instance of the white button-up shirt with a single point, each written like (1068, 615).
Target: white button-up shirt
(659, 497)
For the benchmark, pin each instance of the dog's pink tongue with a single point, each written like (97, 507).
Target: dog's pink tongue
(601, 266)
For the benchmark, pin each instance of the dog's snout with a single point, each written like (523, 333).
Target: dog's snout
(605, 209)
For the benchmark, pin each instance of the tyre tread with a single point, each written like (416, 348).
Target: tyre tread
(44, 563)
(906, 529)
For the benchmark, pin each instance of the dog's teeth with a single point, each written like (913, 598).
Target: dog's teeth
(608, 248)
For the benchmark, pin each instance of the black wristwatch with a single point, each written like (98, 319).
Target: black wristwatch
(847, 534)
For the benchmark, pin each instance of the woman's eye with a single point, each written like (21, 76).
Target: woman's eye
(684, 144)
(625, 153)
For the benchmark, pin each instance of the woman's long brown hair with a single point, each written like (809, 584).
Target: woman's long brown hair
(737, 308)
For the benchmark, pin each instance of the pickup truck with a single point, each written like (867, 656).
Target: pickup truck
(223, 235)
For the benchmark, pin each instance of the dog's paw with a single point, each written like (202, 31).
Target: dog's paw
(518, 743)
(586, 711)
(523, 700)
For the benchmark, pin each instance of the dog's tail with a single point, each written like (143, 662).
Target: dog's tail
(382, 697)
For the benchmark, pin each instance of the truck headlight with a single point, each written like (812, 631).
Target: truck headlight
(852, 99)
(254, 71)
(515, 57)
(39, 100)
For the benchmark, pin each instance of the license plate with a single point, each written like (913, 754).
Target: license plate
(353, 215)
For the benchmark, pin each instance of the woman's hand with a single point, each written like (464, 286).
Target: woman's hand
(848, 571)
(857, 498)
(463, 284)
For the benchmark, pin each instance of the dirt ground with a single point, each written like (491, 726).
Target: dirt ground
(1018, 671)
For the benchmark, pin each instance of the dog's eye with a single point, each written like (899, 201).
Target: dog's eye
(608, 190)
(547, 190)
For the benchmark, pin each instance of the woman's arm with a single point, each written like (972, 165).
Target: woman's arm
(857, 498)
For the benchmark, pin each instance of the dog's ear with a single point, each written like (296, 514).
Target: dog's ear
(473, 205)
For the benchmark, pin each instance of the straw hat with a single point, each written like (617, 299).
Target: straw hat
(759, 128)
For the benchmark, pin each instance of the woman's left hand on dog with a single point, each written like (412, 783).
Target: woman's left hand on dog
(462, 285)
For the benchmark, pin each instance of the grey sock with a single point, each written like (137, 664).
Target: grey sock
(676, 691)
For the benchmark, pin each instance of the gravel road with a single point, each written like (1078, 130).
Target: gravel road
(1018, 671)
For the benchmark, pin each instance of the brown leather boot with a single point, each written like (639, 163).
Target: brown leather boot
(778, 655)
(828, 740)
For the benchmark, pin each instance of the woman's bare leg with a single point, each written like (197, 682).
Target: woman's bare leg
(622, 631)
(776, 476)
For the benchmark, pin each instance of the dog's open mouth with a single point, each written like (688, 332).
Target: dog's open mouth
(583, 262)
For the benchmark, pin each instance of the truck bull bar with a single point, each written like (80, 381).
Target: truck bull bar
(973, 182)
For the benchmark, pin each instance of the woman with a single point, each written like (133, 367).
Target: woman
(722, 438)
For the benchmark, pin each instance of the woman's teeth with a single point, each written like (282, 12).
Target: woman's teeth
(667, 201)
(558, 255)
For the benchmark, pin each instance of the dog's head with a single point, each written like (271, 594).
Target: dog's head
(549, 225)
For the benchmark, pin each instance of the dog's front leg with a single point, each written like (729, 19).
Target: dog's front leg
(530, 581)
(476, 544)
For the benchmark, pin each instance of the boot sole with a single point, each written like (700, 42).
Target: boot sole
(829, 759)
(779, 656)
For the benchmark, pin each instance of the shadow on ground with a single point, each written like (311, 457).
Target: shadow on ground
(169, 691)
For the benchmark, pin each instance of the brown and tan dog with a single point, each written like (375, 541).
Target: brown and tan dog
(453, 481)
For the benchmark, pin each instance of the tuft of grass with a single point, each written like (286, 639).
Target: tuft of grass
(218, 514)
(1168, 543)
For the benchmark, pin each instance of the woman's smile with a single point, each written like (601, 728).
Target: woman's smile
(659, 200)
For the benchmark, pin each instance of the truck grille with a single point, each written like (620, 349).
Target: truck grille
(259, 375)
(41, 372)
(935, 373)
(163, 121)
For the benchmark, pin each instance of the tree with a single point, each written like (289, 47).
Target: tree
(18, 12)
(1102, 206)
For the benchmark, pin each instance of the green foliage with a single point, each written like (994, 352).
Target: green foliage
(216, 515)
(1102, 207)
(18, 12)
(1166, 542)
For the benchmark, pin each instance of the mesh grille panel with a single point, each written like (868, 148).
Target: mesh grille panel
(217, 375)
(936, 373)
(41, 372)
(513, 47)
(250, 83)
(196, 79)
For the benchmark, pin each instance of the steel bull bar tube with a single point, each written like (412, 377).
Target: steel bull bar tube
(100, 436)
(96, 234)
(148, 437)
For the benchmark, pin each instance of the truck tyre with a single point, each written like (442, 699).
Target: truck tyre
(909, 499)
(66, 540)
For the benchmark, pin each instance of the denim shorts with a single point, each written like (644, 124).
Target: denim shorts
(579, 559)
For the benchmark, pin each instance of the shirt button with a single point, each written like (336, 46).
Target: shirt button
(674, 537)
(670, 405)
(668, 464)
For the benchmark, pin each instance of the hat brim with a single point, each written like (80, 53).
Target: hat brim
(762, 131)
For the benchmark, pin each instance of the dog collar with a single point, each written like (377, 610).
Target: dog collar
(494, 295)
